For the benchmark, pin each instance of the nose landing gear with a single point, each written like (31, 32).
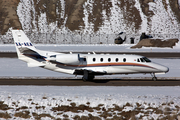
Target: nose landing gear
(154, 78)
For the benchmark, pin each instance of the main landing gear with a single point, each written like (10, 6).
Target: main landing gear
(87, 76)
(153, 76)
(91, 77)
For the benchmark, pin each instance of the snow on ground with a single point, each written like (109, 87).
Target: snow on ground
(103, 102)
(12, 67)
(91, 47)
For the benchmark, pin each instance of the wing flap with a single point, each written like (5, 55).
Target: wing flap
(160, 73)
(35, 64)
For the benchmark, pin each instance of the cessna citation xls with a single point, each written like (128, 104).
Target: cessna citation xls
(87, 65)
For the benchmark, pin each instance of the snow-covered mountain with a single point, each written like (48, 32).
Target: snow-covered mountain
(100, 17)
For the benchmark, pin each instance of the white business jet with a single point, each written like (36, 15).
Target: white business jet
(87, 65)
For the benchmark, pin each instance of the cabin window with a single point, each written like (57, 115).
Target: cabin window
(101, 59)
(109, 59)
(124, 59)
(94, 59)
(117, 59)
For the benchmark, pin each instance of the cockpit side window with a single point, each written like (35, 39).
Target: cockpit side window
(146, 59)
(138, 60)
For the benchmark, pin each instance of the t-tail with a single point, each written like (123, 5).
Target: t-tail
(22, 43)
(25, 49)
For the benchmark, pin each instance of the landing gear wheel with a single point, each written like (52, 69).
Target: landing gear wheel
(84, 79)
(154, 78)
(91, 77)
(87, 76)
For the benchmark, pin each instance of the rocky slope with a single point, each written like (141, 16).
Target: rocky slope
(91, 16)
(156, 43)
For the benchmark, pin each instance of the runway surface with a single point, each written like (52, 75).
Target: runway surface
(96, 82)
(166, 81)
(147, 54)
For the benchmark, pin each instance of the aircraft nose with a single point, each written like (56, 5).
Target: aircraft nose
(164, 69)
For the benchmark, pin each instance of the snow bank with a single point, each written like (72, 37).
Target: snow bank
(92, 47)
(49, 101)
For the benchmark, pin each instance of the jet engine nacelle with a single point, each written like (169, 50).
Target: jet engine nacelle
(71, 59)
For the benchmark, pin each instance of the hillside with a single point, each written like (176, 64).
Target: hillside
(91, 16)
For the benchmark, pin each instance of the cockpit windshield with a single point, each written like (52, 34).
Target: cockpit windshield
(143, 59)
(146, 59)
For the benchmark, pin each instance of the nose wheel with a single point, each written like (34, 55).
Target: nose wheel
(154, 78)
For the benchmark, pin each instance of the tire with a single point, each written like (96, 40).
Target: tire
(154, 78)
(91, 77)
(84, 79)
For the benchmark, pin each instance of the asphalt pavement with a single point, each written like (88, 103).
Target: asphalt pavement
(95, 82)
(147, 54)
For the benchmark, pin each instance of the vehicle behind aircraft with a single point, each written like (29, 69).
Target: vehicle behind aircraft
(87, 65)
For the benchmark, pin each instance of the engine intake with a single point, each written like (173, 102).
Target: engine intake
(71, 59)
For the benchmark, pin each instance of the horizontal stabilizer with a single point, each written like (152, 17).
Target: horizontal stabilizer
(27, 51)
(35, 64)
(31, 53)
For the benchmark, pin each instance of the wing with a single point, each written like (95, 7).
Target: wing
(90, 71)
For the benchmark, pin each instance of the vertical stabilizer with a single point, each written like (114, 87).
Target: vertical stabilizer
(22, 42)
(25, 49)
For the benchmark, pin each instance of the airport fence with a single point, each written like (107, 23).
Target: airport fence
(69, 38)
